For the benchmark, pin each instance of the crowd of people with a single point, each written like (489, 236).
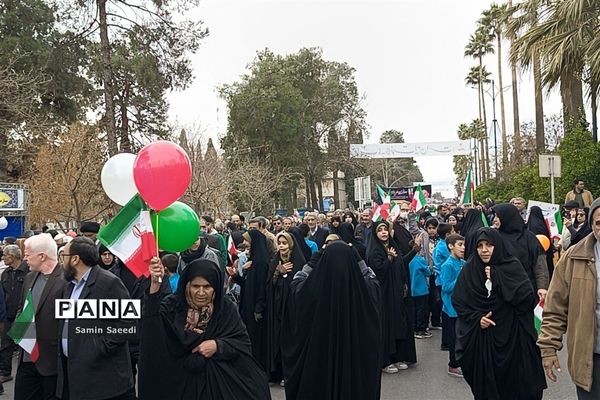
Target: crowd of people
(321, 305)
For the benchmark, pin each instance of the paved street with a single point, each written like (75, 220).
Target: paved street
(427, 380)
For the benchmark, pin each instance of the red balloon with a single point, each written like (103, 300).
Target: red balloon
(162, 172)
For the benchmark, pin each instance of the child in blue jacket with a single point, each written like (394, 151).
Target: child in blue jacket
(440, 255)
(419, 286)
(448, 277)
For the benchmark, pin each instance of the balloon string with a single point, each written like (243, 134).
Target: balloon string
(157, 249)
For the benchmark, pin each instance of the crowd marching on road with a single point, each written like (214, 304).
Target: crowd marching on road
(321, 305)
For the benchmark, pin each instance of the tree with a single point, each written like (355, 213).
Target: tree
(65, 185)
(476, 78)
(480, 45)
(285, 110)
(142, 53)
(493, 21)
(254, 186)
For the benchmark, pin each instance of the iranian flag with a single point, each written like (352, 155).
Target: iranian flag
(555, 224)
(231, 249)
(419, 200)
(386, 203)
(537, 315)
(297, 216)
(468, 188)
(23, 329)
(129, 236)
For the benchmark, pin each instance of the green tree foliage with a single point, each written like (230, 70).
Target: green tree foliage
(580, 157)
(295, 112)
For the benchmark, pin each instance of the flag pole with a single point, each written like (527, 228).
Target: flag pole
(157, 252)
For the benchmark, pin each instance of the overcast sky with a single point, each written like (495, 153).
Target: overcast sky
(408, 57)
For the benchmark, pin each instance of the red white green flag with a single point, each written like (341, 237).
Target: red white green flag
(129, 236)
(419, 200)
(23, 329)
(537, 315)
(231, 249)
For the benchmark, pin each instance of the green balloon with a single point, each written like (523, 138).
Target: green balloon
(178, 227)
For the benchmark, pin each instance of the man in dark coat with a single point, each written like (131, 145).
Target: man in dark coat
(92, 366)
(12, 283)
(38, 379)
(317, 234)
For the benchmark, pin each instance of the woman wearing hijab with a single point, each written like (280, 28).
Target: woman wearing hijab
(346, 232)
(334, 224)
(496, 338)
(351, 218)
(287, 261)
(300, 240)
(107, 259)
(536, 223)
(523, 245)
(253, 302)
(472, 221)
(397, 312)
(581, 228)
(194, 344)
(337, 345)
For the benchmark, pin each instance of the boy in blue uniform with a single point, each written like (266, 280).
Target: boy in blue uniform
(440, 255)
(448, 277)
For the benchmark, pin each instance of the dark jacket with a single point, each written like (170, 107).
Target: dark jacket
(12, 283)
(138, 290)
(98, 366)
(46, 325)
(319, 236)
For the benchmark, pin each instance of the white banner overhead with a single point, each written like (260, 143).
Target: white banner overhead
(400, 150)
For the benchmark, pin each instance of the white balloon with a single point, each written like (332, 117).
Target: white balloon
(117, 178)
(3, 223)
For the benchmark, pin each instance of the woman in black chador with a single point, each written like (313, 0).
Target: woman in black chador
(253, 301)
(495, 334)
(384, 257)
(194, 345)
(337, 343)
(287, 261)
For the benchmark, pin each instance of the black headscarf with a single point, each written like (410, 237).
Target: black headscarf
(351, 215)
(472, 221)
(337, 343)
(397, 308)
(169, 369)
(536, 222)
(583, 229)
(103, 249)
(502, 361)
(295, 231)
(519, 242)
(278, 289)
(346, 232)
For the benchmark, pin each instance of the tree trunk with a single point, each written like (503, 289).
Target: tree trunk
(3, 158)
(107, 81)
(593, 95)
(484, 154)
(124, 131)
(571, 92)
(540, 140)
(320, 191)
(336, 188)
(478, 172)
(502, 111)
(516, 122)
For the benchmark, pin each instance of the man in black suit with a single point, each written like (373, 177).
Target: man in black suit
(317, 233)
(94, 366)
(37, 380)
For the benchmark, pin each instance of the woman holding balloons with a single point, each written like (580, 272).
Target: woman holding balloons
(536, 223)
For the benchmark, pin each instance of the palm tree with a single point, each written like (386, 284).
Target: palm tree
(476, 79)
(518, 18)
(515, 97)
(566, 34)
(479, 45)
(492, 20)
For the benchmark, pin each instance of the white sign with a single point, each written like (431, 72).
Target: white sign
(549, 166)
(401, 150)
(362, 188)
(548, 209)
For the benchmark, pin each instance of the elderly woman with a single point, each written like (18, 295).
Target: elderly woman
(194, 344)
(495, 335)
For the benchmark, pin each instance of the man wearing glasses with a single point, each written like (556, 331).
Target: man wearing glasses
(37, 380)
